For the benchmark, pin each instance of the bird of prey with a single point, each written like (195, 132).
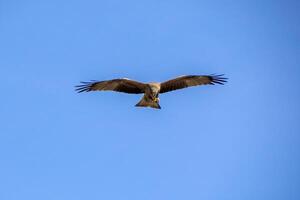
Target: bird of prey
(152, 90)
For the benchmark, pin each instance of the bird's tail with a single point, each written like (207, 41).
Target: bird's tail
(144, 103)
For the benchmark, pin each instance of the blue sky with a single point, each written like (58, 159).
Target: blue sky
(237, 141)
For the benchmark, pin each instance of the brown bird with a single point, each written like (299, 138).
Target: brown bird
(151, 91)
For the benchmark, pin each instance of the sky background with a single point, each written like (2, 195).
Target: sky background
(231, 142)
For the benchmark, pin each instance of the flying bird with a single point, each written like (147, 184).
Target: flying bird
(152, 90)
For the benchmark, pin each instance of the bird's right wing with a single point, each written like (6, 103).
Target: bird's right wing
(118, 85)
(191, 80)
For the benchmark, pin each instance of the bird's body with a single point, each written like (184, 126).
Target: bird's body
(150, 97)
(151, 90)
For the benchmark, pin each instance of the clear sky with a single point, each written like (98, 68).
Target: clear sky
(232, 142)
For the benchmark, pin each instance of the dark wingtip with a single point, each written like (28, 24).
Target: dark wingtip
(218, 79)
(84, 87)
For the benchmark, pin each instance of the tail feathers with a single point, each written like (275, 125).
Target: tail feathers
(144, 103)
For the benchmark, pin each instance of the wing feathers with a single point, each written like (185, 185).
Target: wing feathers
(191, 80)
(118, 85)
(134, 87)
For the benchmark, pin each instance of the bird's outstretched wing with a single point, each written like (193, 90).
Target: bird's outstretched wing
(118, 85)
(191, 80)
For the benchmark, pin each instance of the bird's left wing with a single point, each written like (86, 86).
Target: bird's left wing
(118, 85)
(190, 80)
